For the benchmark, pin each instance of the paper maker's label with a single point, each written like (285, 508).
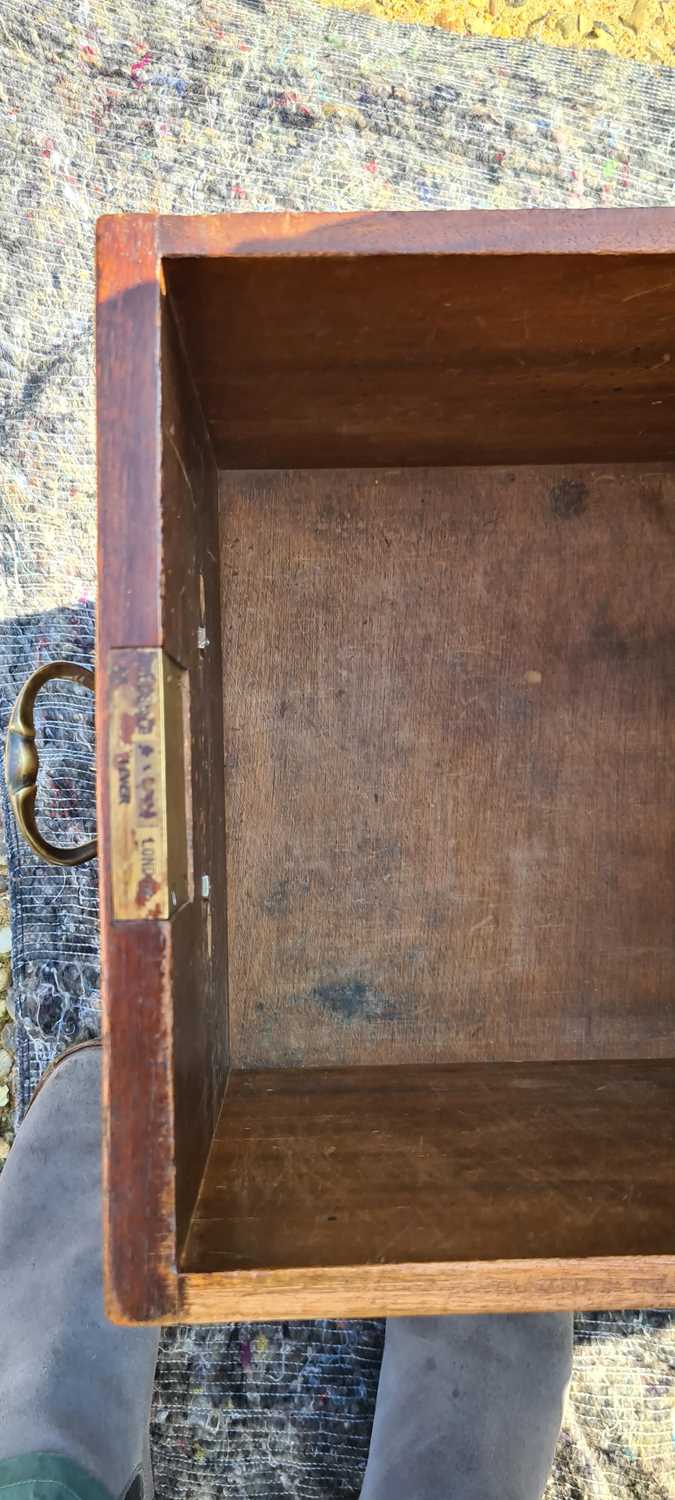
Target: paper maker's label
(146, 755)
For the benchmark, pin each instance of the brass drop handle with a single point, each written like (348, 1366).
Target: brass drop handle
(22, 762)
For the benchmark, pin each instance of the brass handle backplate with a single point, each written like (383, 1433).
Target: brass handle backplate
(22, 762)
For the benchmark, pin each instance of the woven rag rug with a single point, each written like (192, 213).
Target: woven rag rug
(196, 106)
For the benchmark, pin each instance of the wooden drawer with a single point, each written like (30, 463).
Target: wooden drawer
(386, 706)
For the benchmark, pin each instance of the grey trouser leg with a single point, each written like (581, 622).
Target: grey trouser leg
(71, 1384)
(469, 1408)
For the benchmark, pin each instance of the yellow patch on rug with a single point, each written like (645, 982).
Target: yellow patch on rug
(643, 30)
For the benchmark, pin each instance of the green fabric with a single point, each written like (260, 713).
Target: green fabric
(44, 1476)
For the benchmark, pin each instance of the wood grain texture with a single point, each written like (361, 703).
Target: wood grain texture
(418, 1290)
(191, 605)
(485, 1162)
(450, 707)
(164, 983)
(448, 730)
(604, 231)
(137, 1012)
(420, 359)
(128, 320)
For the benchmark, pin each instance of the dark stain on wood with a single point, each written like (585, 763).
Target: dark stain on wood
(569, 498)
(351, 999)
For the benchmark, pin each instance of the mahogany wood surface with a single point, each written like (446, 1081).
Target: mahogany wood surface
(508, 343)
(430, 338)
(399, 1291)
(479, 1162)
(164, 982)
